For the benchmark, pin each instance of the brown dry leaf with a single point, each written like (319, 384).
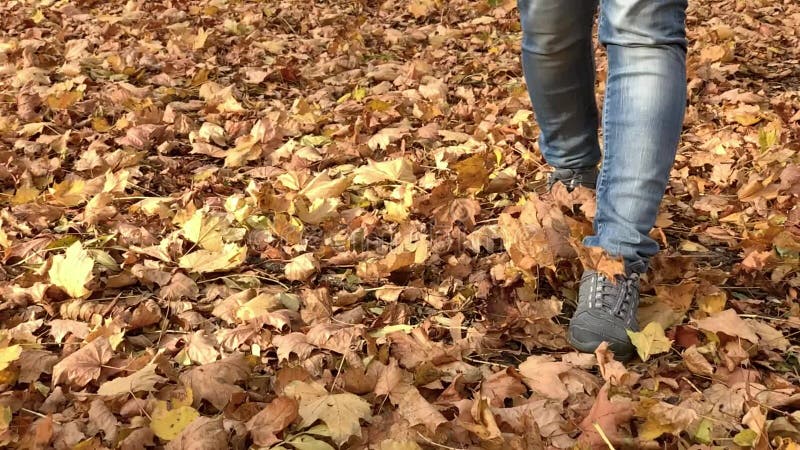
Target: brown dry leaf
(33, 363)
(597, 259)
(545, 414)
(102, 419)
(60, 328)
(323, 187)
(340, 412)
(205, 230)
(485, 425)
(502, 385)
(83, 366)
(413, 407)
(473, 172)
(613, 371)
(180, 287)
(258, 306)
(771, 338)
(137, 439)
(421, 8)
(205, 433)
(292, 343)
(728, 322)
(99, 209)
(301, 267)
(711, 299)
(696, 362)
(200, 349)
(276, 416)
(215, 382)
(610, 415)
(541, 374)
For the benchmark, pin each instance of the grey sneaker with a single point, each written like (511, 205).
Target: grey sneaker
(572, 178)
(605, 310)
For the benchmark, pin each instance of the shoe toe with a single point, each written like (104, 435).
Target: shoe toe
(587, 331)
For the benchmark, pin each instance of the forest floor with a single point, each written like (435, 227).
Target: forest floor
(306, 225)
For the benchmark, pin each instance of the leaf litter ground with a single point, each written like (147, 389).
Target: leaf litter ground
(309, 225)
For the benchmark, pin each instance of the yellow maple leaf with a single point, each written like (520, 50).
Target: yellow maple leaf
(70, 192)
(24, 194)
(323, 187)
(399, 169)
(72, 270)
(168, 424)
(650, 341)
(204, 230)
(203, 261)
(9, 355)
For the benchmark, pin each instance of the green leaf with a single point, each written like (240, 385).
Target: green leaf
(703, 433)
(746, 438)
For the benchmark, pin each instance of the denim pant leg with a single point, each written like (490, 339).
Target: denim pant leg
(642, 121)
(558, 64)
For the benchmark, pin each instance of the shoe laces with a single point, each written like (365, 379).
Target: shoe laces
(618, 296)
(572, 178)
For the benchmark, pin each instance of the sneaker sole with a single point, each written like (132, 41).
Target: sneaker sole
(591, 346)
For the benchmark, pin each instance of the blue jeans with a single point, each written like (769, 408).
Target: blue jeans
(643, 110)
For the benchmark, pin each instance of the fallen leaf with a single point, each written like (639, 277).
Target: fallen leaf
(665, 418)
(9, 355)
(413, 407)
(650, 341)
(72, 270)
(276, 416)
(167, 424)
(203, 261)
(613, 371)
(102, 419)
(541, 374)
(137, 439)
(203, 433)
(609, 414)
(301, 267)
(180, 287)
(340, 412)
(84, 365)
(296, 343)
(215, 382)
(143, 379)
(696, 362)
(205, 230)
(396, 170)
(728, 322)
(200, 349)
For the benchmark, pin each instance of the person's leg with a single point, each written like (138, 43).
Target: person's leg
(642, 120)
(558, 65)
